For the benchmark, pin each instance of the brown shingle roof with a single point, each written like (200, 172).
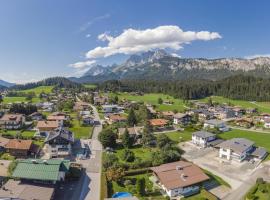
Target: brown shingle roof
(179, 174)
(12, 117)
(47, 125)
(19, 144)
(158, 122)
(3, 141)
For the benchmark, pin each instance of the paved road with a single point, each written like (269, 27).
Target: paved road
(91, 179)
(262, 172)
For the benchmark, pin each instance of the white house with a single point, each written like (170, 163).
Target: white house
(179, 178)
(202, 138)
(59, 143)
(181, 118)
(213, 123)
(236, 149)
(266, 123)
(112, 108)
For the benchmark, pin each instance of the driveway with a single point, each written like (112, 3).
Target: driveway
(90, 182)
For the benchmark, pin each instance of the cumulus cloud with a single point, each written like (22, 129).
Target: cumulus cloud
(88, 35)
(257, 56)
(175, 55)
(83, 64)
(134, 41)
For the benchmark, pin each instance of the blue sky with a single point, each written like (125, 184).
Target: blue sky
(39, 39)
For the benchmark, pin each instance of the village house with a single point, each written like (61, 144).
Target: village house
(115, 118)
(46, 106)
(203, 138)
(181, 118)
(179, 178)
(59, 117)
(3, 143)
(79, 105)
(21, 148)
(14, 189)
(151, 110)
(47, 171)
(235, 149)
(167, 115)
(135, 132)
(220, 125)
(36, 116)
(266, 123)
(59, 143)
(88, 120)
(244, 122)
(112, 109)
(12, 121)
(158, 123)
(45, 127)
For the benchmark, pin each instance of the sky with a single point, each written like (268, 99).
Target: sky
(40, 39)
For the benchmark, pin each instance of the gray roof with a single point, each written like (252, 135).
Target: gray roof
(203, 134)
(60, 132)
(259, 152)
(214, 122)
(238, 145)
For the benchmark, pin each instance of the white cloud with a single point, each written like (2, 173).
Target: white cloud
(257, 56)
(83, 64)
(135, 41)
(87, 25)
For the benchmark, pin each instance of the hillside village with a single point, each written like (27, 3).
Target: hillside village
(118, 144)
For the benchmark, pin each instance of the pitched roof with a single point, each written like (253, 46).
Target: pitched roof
(238, 145)
(179, 115)
(49, 125)
(46, 170)
(62, 133)
(214, 122)
(179, 174)
(3, 141)
(136, 130)
(30, 191)
(203, 134)
(12, 117)
(158, 122)
(19, 144)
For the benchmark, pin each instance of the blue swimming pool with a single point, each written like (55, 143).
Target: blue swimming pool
(121, 195)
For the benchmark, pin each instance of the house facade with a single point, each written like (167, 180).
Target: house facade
(59, 143)
(236, 149)
(181, 118)
(21, 148)
(202, 138)
(220, 125)
(179, 178)
(12, 121)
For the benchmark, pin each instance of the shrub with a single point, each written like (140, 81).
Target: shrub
(127, 155)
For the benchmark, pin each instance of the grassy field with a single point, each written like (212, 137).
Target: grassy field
(260, 139)
(260, 191)
(40, 89)
(261, 106)
(180, 136)
(19, 100)
(152, 98)
(203, 195)
(140, 152)
(23, 133)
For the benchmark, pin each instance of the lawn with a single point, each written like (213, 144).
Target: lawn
(203, 195)
(261, 106)
(180, 136)
(19, 100)
(139, 151)
(131, 188)
(23, 133)
(152, 98)
(38, 90)
(260, 191)
(80, 131)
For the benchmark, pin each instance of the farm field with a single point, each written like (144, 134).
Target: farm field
(152, 98)
(40, 89)
(261, 106)
(19, 100)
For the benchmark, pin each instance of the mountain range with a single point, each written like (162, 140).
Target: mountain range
(5, 83)
(160, 65)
